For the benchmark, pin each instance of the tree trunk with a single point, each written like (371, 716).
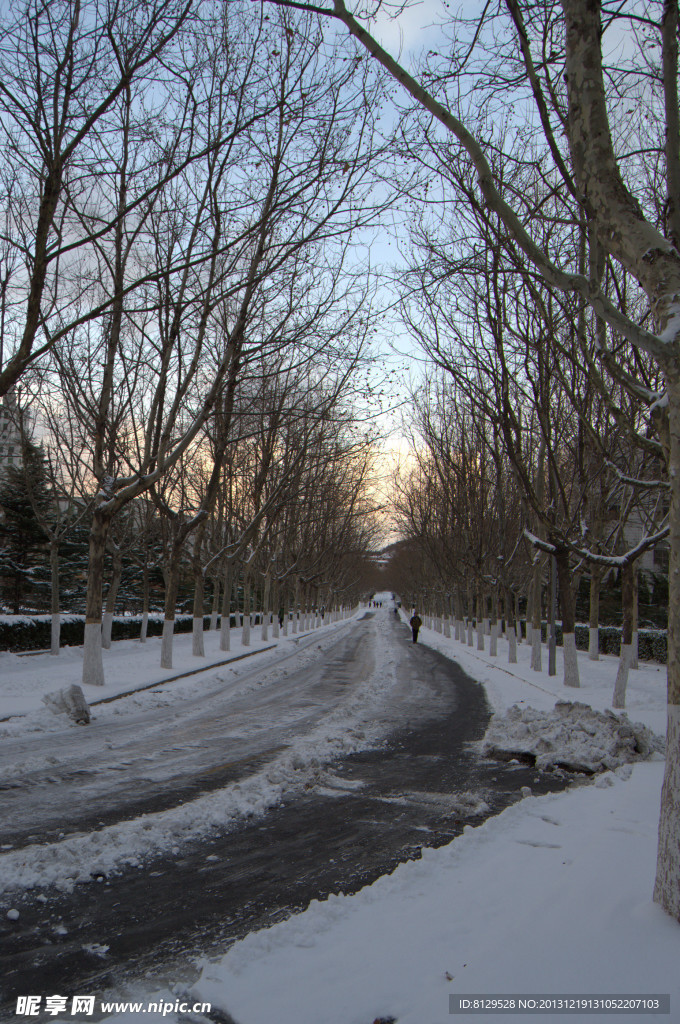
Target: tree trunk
(171, 588)
(627, 585)
(111, 596)
(634, 641)
(265, 606)
(245, 635)
(447, 616)
(145, 604)
(54, 586)
(511, 627)
(480, 624)
(296, 599)
(305, 608)
(225, 625)
(571, 676)
(667, 882)
(594, 624)
(530, 613)
(197, 641)
(93, 666)
(214, 613)
(494, 625)
(536, 650)
(286, 609)
(276, 607)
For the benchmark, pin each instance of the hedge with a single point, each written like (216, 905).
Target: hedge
(33, 632)
(652, 643)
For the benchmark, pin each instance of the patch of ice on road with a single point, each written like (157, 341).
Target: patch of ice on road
(572, 736)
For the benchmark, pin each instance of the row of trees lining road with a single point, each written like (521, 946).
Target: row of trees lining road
(284, 539)
(185, 188)
(574, 107)
(491, 520)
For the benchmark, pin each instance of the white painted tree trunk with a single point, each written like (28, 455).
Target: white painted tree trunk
(166, 643)
(634, 652)
(480, 636)
(107, 625)
(144, 628)
(619, 698)
(571, 676)
(594, 643)
(470, 637)
(197, 644)
(245, 635)
(93, 665)
(487, 627)
(512, 647)
(55, 634)
(493, 642)
(447, 628)
(536, 650)
(529, 636)
(275, 627)
(518, 632)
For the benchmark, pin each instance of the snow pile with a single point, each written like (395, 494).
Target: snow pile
(70, 701)
(573, 737)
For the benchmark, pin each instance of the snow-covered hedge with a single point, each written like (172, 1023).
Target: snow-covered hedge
(652, 643)
(32, 632)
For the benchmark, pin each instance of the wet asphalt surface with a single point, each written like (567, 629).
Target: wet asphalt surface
(156, 918)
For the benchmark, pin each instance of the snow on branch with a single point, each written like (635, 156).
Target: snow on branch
(634, 481)
(542, 545)
(630, 556)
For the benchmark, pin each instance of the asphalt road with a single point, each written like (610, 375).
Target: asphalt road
(406, 796)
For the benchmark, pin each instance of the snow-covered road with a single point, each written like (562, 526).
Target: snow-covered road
(157, 748)
(197, 811)
(192, 812)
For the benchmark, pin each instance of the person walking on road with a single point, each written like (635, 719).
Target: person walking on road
(415, 622)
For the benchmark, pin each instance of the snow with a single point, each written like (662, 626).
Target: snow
(361, 719)
(553, 896)
(573, 737)
(128, 665)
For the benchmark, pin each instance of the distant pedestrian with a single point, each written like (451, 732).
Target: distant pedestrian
(415, 622)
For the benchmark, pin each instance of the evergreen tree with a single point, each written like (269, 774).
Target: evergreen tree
(24, 568)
